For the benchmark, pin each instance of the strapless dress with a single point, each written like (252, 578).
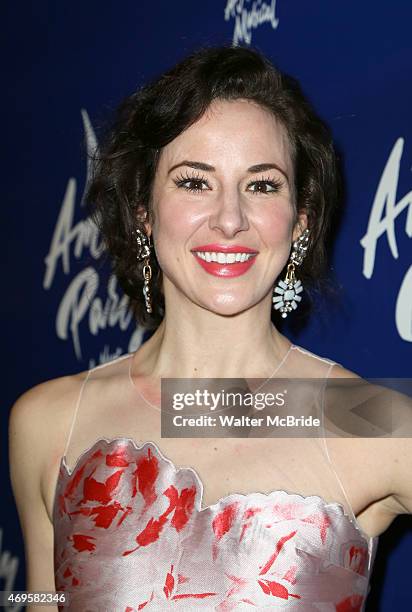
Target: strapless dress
(131, 534)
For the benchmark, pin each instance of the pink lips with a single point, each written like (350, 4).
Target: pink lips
(226, 270)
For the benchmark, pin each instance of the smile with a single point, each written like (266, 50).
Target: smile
(223, 258)
(225, 264)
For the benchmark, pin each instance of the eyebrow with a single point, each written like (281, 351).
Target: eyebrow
(208, 168)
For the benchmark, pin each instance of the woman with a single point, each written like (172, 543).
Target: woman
(214, 193)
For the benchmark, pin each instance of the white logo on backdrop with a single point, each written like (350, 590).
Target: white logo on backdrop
(384, 212)
(249, 15)
(8, 572)
(80, 304)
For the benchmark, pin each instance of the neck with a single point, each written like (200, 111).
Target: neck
(194, 342)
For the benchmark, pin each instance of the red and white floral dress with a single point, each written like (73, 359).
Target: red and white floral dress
(131, 534)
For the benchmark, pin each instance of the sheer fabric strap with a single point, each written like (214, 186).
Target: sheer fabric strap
(372, 540)
(79, 397)
(331, 365)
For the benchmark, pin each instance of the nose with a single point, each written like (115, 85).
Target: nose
(229, 216)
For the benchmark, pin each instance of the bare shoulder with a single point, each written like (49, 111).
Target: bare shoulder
(339, 371)
(38, 401)
(39, 421)
(43, 412)
(388, 410)
(384, 446)
(38, 424)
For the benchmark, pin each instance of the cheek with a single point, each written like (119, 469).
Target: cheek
(171, 233)
(176, 220)
(277, 228)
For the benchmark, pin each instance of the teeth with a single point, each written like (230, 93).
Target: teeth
(224, 258)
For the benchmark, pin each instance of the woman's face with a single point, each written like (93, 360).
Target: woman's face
(225, 183)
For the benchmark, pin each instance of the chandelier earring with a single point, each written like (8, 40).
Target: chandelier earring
(143, 254)
(286, 293)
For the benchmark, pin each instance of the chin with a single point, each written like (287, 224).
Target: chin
(226, 305)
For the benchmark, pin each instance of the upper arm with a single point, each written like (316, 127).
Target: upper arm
(387, 415)
(32, 422)
(401, 453)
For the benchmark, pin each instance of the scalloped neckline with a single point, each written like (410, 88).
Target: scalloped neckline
(231, 496)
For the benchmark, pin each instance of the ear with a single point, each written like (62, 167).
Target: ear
(142, 216)
(300, 226)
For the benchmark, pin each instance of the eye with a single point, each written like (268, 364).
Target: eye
(265, 186)
(191, 183)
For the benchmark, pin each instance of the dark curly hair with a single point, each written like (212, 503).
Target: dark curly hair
(150, 118)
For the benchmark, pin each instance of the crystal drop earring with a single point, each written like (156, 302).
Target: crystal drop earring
(286, 293)
(143, 254)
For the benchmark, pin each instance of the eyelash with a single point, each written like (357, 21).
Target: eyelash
(180, 181)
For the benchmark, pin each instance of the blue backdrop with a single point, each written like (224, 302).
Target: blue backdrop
(70, 63)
